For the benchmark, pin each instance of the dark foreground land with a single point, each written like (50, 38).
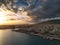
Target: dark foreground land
(48, 30)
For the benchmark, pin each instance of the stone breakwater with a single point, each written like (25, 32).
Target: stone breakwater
(44, 30)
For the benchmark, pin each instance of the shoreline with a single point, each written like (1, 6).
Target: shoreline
(45, 31)
(42, 36)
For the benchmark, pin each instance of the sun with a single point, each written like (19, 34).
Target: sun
(2, 16)
(2, 19)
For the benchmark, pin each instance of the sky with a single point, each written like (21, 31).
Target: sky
(41, 8)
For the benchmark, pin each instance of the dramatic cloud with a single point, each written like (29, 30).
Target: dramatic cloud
(45, 8)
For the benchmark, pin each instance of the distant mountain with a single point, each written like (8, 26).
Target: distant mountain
(57, 21)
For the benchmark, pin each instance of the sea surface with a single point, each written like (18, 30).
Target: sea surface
(9, 37)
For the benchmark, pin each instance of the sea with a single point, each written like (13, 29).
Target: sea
(9, 37)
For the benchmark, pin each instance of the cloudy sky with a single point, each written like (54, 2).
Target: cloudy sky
(41, 8)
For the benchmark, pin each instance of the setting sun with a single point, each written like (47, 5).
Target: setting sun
(8, 17)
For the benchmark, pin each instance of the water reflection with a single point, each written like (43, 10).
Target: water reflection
(9, 37)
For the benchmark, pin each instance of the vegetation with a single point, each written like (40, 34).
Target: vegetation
(53, 22)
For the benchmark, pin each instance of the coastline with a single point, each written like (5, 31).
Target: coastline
(46, 31)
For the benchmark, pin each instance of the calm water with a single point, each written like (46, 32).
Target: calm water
(9, 37)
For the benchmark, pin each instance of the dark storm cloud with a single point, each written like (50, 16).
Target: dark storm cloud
(41, 8)
(45, 9)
